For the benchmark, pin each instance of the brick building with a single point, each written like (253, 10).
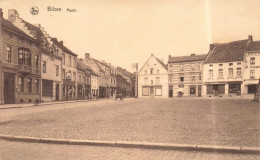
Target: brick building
(185, 75)
(19, 64)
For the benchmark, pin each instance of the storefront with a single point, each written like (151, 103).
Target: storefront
(69, 90)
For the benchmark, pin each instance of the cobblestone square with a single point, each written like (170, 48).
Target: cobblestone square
(226, 122)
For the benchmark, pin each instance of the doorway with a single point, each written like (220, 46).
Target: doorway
(57, 91)
(9, 88)
(151, 91)
(215, 90)
(170, 91)
(199, 90)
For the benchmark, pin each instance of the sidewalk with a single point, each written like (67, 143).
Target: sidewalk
(10, 106)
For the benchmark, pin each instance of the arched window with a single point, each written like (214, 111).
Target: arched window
(151, 70)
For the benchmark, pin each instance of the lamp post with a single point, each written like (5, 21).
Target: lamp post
(135, 65)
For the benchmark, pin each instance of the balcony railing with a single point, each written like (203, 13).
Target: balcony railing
(24, 68)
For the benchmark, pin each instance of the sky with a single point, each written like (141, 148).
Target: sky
(123, 32)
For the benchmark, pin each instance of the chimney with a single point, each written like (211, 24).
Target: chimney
(61, 42)
(87, 55)
(250, 38)
(211, 47)
(12, 15)
(1, 13)
(193, 54)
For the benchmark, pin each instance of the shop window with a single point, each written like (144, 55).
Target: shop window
(234, 88)
(158, 91)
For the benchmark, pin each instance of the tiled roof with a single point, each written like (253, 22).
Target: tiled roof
(39, 34)
(200, 57)
(161, 63)
(227, 52)
(254, 46)
(61, 46)
(12, 27)
(97, 61)
(81, 66)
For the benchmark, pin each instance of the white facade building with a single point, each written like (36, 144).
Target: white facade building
(153, 79)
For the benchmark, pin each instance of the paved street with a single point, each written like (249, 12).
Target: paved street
(229, 122)
(38, 151)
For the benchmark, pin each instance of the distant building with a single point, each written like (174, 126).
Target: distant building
(252, 68)
(224, 68)
(153, 79)
(185, 75)
(83, 82)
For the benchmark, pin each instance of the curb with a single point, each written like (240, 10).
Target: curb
(128, 144)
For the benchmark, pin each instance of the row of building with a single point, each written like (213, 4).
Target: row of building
(36, 67)
(228, 69)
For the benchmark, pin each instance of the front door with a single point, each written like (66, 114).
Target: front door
(199, 90)
(57, 91)
(151, 92)
(215, 90)
(9, 88)
(170, 91)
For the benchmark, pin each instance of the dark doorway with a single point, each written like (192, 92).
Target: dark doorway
(57, 91)
(170, 91)
(215, 90)
(151, 92)
(252, 88)
(9, 88)
(199, 90)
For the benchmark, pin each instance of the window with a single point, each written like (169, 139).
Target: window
(145, 72)
(211, 65)
(44, 66)
(37, 62)
(211, 73)
(145, 91)
(70, 60)
(200, 76)
(37, 85)
(57, 70)
(252, 73)
(79, 78)
(151, 71)
(24, 57)
(181, 79)
(74, 76)
(238, 63)
(252, 61)
(220, 65)
(192, 78)
(151, 81)
(145, 79)
(157, 80)
(181, 85)
(171, 78)
(9, 53)
(181, 67)
(29, 83)
(192, 67)
(199, 66)
(21, 84)
(192, 89)
(238, 72)
(230, 72)
(220, 73)
(63, 74)
(63, 58)
(230, 64)
(158, 71)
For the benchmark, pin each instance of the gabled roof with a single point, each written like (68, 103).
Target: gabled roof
(190, 58)
(254, 46)
(39, 33)
(164, 66)
(81, 66)
(7, 24)
(227, 52)
(61, 46)
(100, 69)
